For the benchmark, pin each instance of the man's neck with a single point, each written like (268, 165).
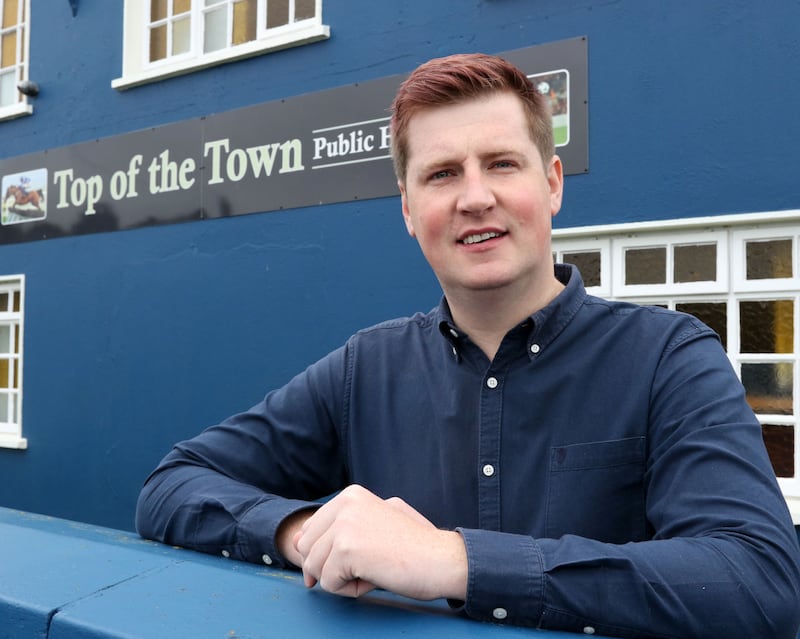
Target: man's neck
(487, 315)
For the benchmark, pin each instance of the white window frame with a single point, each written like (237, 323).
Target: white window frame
(137, 69)
(21, 106)
(731, 232)
(11, 430)
(669, 241)
(739, 248)
(594, 245)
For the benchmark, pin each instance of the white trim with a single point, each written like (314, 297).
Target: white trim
(136, 70)
(17, 110)
(712, 222)
(22, 62)
(794, 508)
(587, 245)
(739, 241)
(11, 433)
(13, 441)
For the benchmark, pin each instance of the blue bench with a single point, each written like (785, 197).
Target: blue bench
(61, 579)
(67, 580)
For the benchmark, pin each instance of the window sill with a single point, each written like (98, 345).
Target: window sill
(13, 441)
(15, 111)
(293, 38)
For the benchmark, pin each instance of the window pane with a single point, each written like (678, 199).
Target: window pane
(695, 263)
(216, 30)
(769, 259)
(767, 326)
(158, 10)
(5, 339)
(8, 50)
(15, 377)
(4, 407)
(8, 89)
(158, 43)
(3, 302)
(304, 9)
(712, 314)
(277, 13)
(779, 440)
(588, 264)
(16, 301)
(5, 366)
(181, 36)
(244, 21)
(646, 266)
(769, 387)
(181, 6)
(10, 8)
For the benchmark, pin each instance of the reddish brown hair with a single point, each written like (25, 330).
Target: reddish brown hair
(460, 77)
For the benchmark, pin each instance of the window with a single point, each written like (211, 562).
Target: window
(11, 305)
(13, 58)
(738, 274)
(164, 38)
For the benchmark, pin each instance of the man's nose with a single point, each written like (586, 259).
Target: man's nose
(476, 195)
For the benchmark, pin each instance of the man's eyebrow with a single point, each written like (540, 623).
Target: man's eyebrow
(446, 159)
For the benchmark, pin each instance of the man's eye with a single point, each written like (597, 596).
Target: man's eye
(440, 175)
(503, 164)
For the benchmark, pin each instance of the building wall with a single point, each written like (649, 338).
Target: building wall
(136, 339)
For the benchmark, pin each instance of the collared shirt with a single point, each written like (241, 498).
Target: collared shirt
(604, 470)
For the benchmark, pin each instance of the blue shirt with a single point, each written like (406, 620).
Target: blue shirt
(604, 470)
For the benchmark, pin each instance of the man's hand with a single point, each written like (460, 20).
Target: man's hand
(358, 541)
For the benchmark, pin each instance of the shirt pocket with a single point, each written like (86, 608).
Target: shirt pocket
(596, 490)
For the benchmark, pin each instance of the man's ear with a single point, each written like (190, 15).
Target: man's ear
(406, 214)
(555, 178)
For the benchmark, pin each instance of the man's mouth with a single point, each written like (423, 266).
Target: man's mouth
(480, 237)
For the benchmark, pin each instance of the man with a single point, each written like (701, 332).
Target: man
(537, 456)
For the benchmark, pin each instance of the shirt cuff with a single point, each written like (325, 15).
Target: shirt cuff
(255, 533)
(505, 582)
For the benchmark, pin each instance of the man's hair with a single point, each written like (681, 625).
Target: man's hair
(460, 77)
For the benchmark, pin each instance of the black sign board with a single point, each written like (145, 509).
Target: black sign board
(319, 148)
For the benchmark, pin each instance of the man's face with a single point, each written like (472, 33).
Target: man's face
(477, 196)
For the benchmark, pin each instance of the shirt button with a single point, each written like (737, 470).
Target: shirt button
(225, 553)
(266, 559)
(499, 613)
(588, 630)
(491, 382)
(453, 332)
(535, 348)
(488, 470)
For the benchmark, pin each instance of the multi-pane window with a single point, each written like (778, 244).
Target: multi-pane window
(743, 282)
(11, 305)
(169, 37)
(13, 50)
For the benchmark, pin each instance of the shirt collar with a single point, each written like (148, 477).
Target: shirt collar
(545, 323)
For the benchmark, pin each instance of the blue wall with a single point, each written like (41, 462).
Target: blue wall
(136, 339)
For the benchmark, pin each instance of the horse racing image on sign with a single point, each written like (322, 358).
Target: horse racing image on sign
(25, 197)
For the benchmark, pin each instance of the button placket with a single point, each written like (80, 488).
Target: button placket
(489, 450)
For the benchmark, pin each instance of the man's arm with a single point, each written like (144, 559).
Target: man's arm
(228, 489)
